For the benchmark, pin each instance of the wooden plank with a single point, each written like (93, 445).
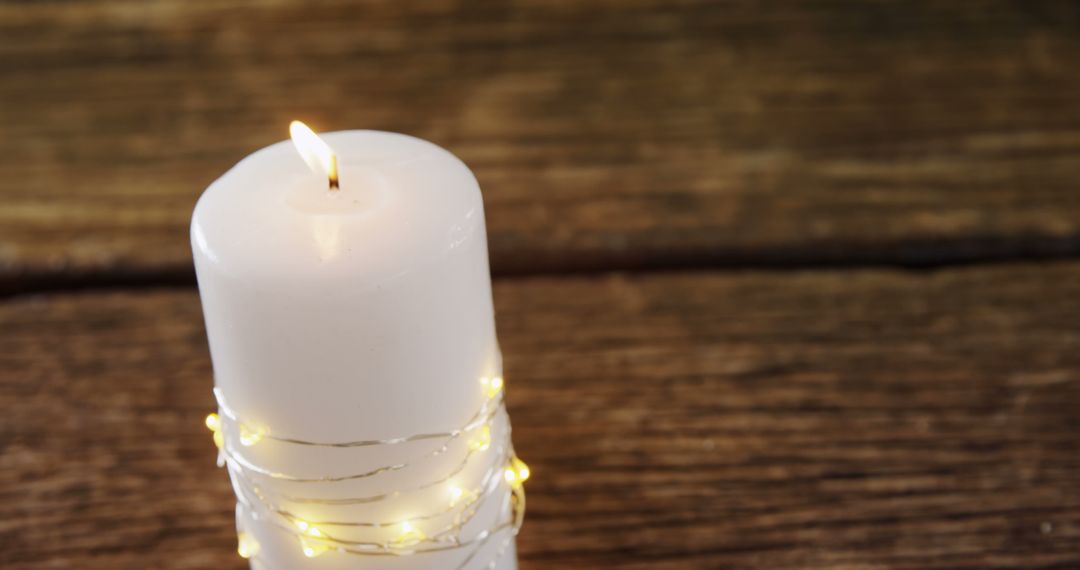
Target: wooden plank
(605, 134)
(856, 419)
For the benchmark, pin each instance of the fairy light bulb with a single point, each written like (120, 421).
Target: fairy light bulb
(516, 473)
(460, 496)
(310, 536)
(308, 529)
(456, 493)
(522, 469)
(251, 435)
(410, 536)
(213, 423)
(312, 548)
(246, 546)
(493, 385)
(482, 440)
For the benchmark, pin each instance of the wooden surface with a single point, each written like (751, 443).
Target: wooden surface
(818, 412)
(861, 419)
(605, 134)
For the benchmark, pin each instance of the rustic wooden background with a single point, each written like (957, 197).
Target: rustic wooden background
(780, 285)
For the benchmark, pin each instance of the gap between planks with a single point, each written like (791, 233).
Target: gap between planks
(910, 258)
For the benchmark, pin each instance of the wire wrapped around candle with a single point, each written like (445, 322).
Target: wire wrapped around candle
(505, 472)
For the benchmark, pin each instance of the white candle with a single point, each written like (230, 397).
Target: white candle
(357, 313)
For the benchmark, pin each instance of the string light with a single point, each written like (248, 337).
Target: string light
(463, 505)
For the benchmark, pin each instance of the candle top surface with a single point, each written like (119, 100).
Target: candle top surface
(401, 201)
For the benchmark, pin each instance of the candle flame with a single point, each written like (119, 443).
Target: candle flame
(316, 153)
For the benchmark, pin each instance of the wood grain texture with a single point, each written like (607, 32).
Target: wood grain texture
(805, 420)
(605, 134)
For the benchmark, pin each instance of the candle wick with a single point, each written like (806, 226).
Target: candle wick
(333, 174)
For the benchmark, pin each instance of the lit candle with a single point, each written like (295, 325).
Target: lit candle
(347, 299)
